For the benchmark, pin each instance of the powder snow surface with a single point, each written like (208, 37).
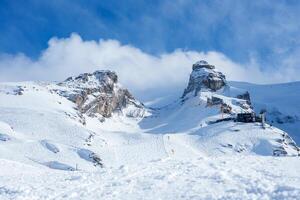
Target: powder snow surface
(177, 152)
(234, 177)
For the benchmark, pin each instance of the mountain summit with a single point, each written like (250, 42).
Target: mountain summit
(204, 77)
(89, 122)
(100, 94)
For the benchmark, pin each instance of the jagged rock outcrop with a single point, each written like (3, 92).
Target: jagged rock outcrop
(284, 145)
(99, 93)
(215, 101)
(204, 76)
(245, 96)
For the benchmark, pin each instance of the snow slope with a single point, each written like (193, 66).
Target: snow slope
(193, 123)
(43, 128)
(50, 150)
(281, 102)
(234, 177)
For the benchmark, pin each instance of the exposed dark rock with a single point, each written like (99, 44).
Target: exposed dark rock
(280, 152)
(226, 108)
(275, 116)
(245, 96)
(90, 156)
(18, 91)
(245, 117)
(202, 64)
(214, 101)
(221, 120)
(99, 92)
(96, 160)
(204, 76)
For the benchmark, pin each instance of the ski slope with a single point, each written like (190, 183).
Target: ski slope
(178, 151)
(281, 102)
(234, 177)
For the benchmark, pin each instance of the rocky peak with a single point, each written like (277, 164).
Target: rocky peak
(202, 64)
(99, 94)
(204, 76)
(90, 80)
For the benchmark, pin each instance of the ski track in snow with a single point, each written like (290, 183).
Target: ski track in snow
(173, 154)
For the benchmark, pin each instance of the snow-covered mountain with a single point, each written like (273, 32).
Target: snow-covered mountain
(99, 94)
(90, 123)
(205, 115)
(281, 101)
(54, 124)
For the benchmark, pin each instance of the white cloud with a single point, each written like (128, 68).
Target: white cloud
(137, 70)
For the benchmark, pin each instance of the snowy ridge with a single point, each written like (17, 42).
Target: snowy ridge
(281, 101)
(99, 93)
(89, 129)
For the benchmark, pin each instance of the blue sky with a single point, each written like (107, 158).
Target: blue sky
(261, 36)
(239, 29)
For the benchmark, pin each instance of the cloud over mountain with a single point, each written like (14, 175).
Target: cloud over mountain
(138, 70)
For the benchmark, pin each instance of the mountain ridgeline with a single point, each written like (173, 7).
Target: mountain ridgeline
(90, 121)
(99, 94)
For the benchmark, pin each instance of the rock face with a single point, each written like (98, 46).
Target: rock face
(204, 76)
(245, 96)
(99, 93)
